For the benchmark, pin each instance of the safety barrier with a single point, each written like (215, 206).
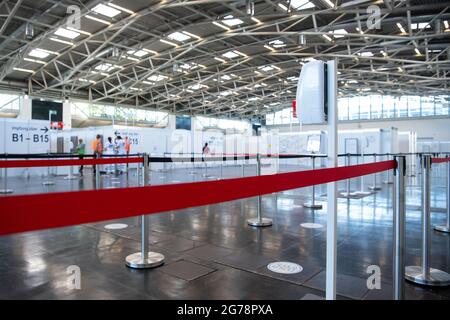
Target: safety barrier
(424, 274)
(21, 213)
(446, 227)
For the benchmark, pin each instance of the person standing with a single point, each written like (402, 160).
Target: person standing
(127, 148)
(205, 149)
(97, 148)
(81, 150)
(120, 145)
(109, 150)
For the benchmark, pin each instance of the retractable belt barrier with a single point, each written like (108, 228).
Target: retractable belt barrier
(61, 155)
(22, 213)
(69, 162)
(440, 160)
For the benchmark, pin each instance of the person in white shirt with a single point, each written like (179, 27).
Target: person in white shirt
(109, 150)
(120, 147)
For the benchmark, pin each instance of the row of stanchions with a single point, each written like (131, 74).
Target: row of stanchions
(424, 274)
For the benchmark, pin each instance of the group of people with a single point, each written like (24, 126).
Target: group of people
(118, 147)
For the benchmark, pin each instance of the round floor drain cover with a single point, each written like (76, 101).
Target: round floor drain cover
(311, 225)
(116, 226)
(285, 267)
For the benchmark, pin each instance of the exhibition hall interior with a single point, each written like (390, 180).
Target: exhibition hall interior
(225, 150)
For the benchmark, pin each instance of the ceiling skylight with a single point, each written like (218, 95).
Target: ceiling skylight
(197, 86)
(104, 67)
(230, 54)
(62, 32)
(420, 25)
(301, 4)
(266, 68)
(231, 21)
(277, 43)
(106, 10)
(339, 33)
(157, 78)
(137, 53)
(179, 36)
(38, 53)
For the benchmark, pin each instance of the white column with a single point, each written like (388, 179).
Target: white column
(331, 261)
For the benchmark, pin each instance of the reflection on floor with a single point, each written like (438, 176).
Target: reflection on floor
(211, 253)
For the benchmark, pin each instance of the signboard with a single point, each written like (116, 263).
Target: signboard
(23, 137)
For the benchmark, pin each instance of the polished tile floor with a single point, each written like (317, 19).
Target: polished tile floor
(211, 253)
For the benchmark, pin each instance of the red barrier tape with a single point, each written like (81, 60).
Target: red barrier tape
(42, 211)
(69, 162)
(440, 160)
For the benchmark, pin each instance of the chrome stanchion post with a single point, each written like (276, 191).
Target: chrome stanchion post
(145, 258)
(97, 174)
(312, 205)
(375, 187)
(48, 182)
(399, 229)
(5, 189)
(348, 194)
(424, 274)
(446, 228)
(259, 221)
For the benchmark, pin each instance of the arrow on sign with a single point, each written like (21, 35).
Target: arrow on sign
(44, 129)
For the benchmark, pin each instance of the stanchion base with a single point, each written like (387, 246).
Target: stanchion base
(437, 277)
(153, 260)
(363, 193)
(264, 222)
(6, 191)
(350, 195)
(48, 183)
(442, 229)
(313, 206)
(70, 178)
(375, 188)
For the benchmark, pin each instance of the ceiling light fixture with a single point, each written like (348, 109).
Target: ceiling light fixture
(35, 61)
(256, 20)
(150, 51)
(168, 42)
(23, 70)
(192, 35)
(221, 26)
(219, 59)
(98, 20)
(399, 25)
(61, 41)
(121, 8)
(327, 37)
